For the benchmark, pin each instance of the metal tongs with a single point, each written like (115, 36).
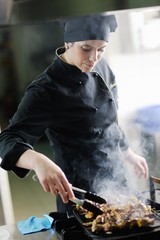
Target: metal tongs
(89, 195)
(87, 205)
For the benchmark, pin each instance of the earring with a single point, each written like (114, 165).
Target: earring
(67, 46)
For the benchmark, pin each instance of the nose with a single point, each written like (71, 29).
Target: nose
(93, 56)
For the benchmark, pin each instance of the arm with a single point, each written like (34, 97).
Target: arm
(16, 143)
(25, 129)
(50, 176)
(139, 163)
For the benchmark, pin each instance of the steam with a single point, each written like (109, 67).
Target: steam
(112, 176)
(131, 185)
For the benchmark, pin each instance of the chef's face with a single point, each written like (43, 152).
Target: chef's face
(85, 54)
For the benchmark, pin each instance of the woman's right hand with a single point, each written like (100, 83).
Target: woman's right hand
(50, 176)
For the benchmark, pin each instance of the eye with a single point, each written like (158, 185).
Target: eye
(86, 48)
(101, 50)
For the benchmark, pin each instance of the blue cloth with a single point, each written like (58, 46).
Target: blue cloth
(35, 224)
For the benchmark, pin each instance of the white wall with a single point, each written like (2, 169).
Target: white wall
(133, 53)
(138, 79)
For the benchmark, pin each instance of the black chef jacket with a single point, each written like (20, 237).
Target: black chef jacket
(78, 113)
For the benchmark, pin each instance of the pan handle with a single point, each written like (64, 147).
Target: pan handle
(153, 180)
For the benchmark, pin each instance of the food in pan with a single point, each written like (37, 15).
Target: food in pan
(135, 213)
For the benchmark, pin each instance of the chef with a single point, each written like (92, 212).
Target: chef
(73, 102)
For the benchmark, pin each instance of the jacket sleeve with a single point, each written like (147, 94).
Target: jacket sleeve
(25, 129)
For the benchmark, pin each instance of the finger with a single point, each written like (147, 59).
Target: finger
(68, 189)
(65, 190)
(51, 187)
(46, 187)
(54, 190)
(64, 195)
(144, 168)
(139, 170)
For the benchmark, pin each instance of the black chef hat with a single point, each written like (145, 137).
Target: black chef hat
(90, 27)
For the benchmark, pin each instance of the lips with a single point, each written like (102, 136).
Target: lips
(89, 65)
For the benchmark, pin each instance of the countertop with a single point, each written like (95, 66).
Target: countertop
(11, 232)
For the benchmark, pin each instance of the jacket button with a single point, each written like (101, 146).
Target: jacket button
(95, 74)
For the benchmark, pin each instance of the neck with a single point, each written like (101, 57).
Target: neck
(63, 57)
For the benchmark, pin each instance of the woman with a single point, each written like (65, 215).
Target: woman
(74, 101)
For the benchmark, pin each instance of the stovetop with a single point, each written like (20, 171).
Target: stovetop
(68, 228)
(71, 226)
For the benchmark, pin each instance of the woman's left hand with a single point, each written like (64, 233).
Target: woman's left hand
(139, 163)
